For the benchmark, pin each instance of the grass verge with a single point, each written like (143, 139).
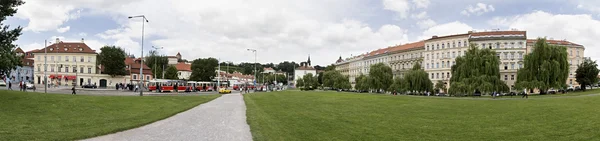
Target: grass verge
(294, 115)
(35, 116)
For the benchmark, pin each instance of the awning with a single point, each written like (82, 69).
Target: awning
(71, 77)
(52, 76)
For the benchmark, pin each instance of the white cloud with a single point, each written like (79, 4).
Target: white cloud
(401, 7)
(580, 29)
(421, 3)
(82, 34)
(426, 23)
(421, 15)
(589, 5)
(478, 9)
(446, 29)
(63, 29)
(280, 30)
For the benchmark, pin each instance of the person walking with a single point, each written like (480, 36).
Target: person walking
(525, 95)
(10, 86)
(73, 89)
(136, 88)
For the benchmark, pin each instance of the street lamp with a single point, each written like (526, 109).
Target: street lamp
(155, 51)
(144, 20)
(254, 50)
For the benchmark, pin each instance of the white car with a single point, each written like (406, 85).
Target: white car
(29, 85)
(2, 83)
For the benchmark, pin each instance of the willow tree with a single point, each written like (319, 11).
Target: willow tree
(545, 67)
(362, 83)
(416, 80)
(381, 77)
(477, 70)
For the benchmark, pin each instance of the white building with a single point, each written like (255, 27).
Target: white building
(184, 70)
(70, 63)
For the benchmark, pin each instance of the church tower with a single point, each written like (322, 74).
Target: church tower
(308, 60)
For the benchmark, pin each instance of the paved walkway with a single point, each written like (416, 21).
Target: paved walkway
(223, 119)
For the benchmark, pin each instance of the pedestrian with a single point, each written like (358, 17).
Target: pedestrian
(10, 86)
(525, 95)
(175, 87)
(73, 89)
(136, 88)
(34, 88)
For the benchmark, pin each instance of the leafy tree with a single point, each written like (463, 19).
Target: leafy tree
(587, 73)
(330, 67)
(397, 85)
(112, 58)
(157, 63)
(288, 67)
(477, 70)
(8, 56)
(381, 76)
(300, 83)
(545, 67)
(362, 83)
(310, 81)
(203, 69)
(342, 82)
(330, 78)
(440, 86)
(171, 73)
(416, 80)
(320, 78)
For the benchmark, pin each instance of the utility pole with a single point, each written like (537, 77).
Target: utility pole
(144, 20)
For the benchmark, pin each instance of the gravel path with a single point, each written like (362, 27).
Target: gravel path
(223, 119)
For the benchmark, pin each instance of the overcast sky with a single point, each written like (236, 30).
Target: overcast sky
(290, 30)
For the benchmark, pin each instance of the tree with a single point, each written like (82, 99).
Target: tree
(416, 80)
(381, 76)
(362, 83)
(342, 82)
(330, 78)
(203, 69)
(171, 73)
(8, 56)
(587, 73)
(112, 58)
(545, 67)
(310, 81)
(320, 78)
(287, 67)
(300, 83)
(330, 67)
(156, 63)
(440, 86)
(477, 70)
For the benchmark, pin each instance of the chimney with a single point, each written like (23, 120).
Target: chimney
(82, 41)
(57, 40)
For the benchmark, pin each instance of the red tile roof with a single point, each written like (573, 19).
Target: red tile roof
(305, 68)
(490, 33)
(27, 62)
(268, 68)
(408, 46)
(555, 42)
(183, 67)
(67, 47)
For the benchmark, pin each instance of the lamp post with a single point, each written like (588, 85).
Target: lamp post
(155, 51)
(144, 20)
(45, 66)
(254, 50)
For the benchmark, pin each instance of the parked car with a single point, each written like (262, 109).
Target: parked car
(551, 91)
(477, 93)
(2, 83)
(570, 88)
(29, 85)
(89, 86)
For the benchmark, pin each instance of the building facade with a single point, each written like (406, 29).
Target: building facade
(510, 47)
(438, 53)
(184, 70)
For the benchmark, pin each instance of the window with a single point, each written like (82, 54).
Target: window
(437, 55)
(512, 66)
(427, 56)
(74, 69)
(443, 65)
(74, 59)
(497, 45)
(427, 47)
(448, 45)
(427, 65)
(453, 43)
(520, 44)
(505, 77)
(577, 53)
(437, 65)
(89, 58)
(512, 45)
(134, 76)
(520, 55)
(570, 52)
(89, 70)
(448, 74)
(39, 58)
(67, 69)
(443, 55)
(438, 46)
(453, 54)
(490, 45)
(442, 46)
(570, 62)
(432, 75)
(147, 77)
(437, 75)
(39, 68)
(465, 42)
(67, 58)
(52, 68)
(51, 58)
(505, 67)
(442, 75)
(459, 45)
(81, 59)
(59, 58)
(58, 68)
(459, 53)
(512, 56)
(505, 56)
(520, 66)
(512, 77)
(81, 70)
(483, 45)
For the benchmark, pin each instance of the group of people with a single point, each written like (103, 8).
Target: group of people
(126, 87)
(22, 86)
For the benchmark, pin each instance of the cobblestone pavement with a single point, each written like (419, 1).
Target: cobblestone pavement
(223, 119)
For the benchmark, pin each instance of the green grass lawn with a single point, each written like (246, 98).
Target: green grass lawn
(35, 116)
(295, 115)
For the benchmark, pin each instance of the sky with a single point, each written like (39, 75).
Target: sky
(292, 30)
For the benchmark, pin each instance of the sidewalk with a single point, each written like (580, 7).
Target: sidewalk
(223, 119)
